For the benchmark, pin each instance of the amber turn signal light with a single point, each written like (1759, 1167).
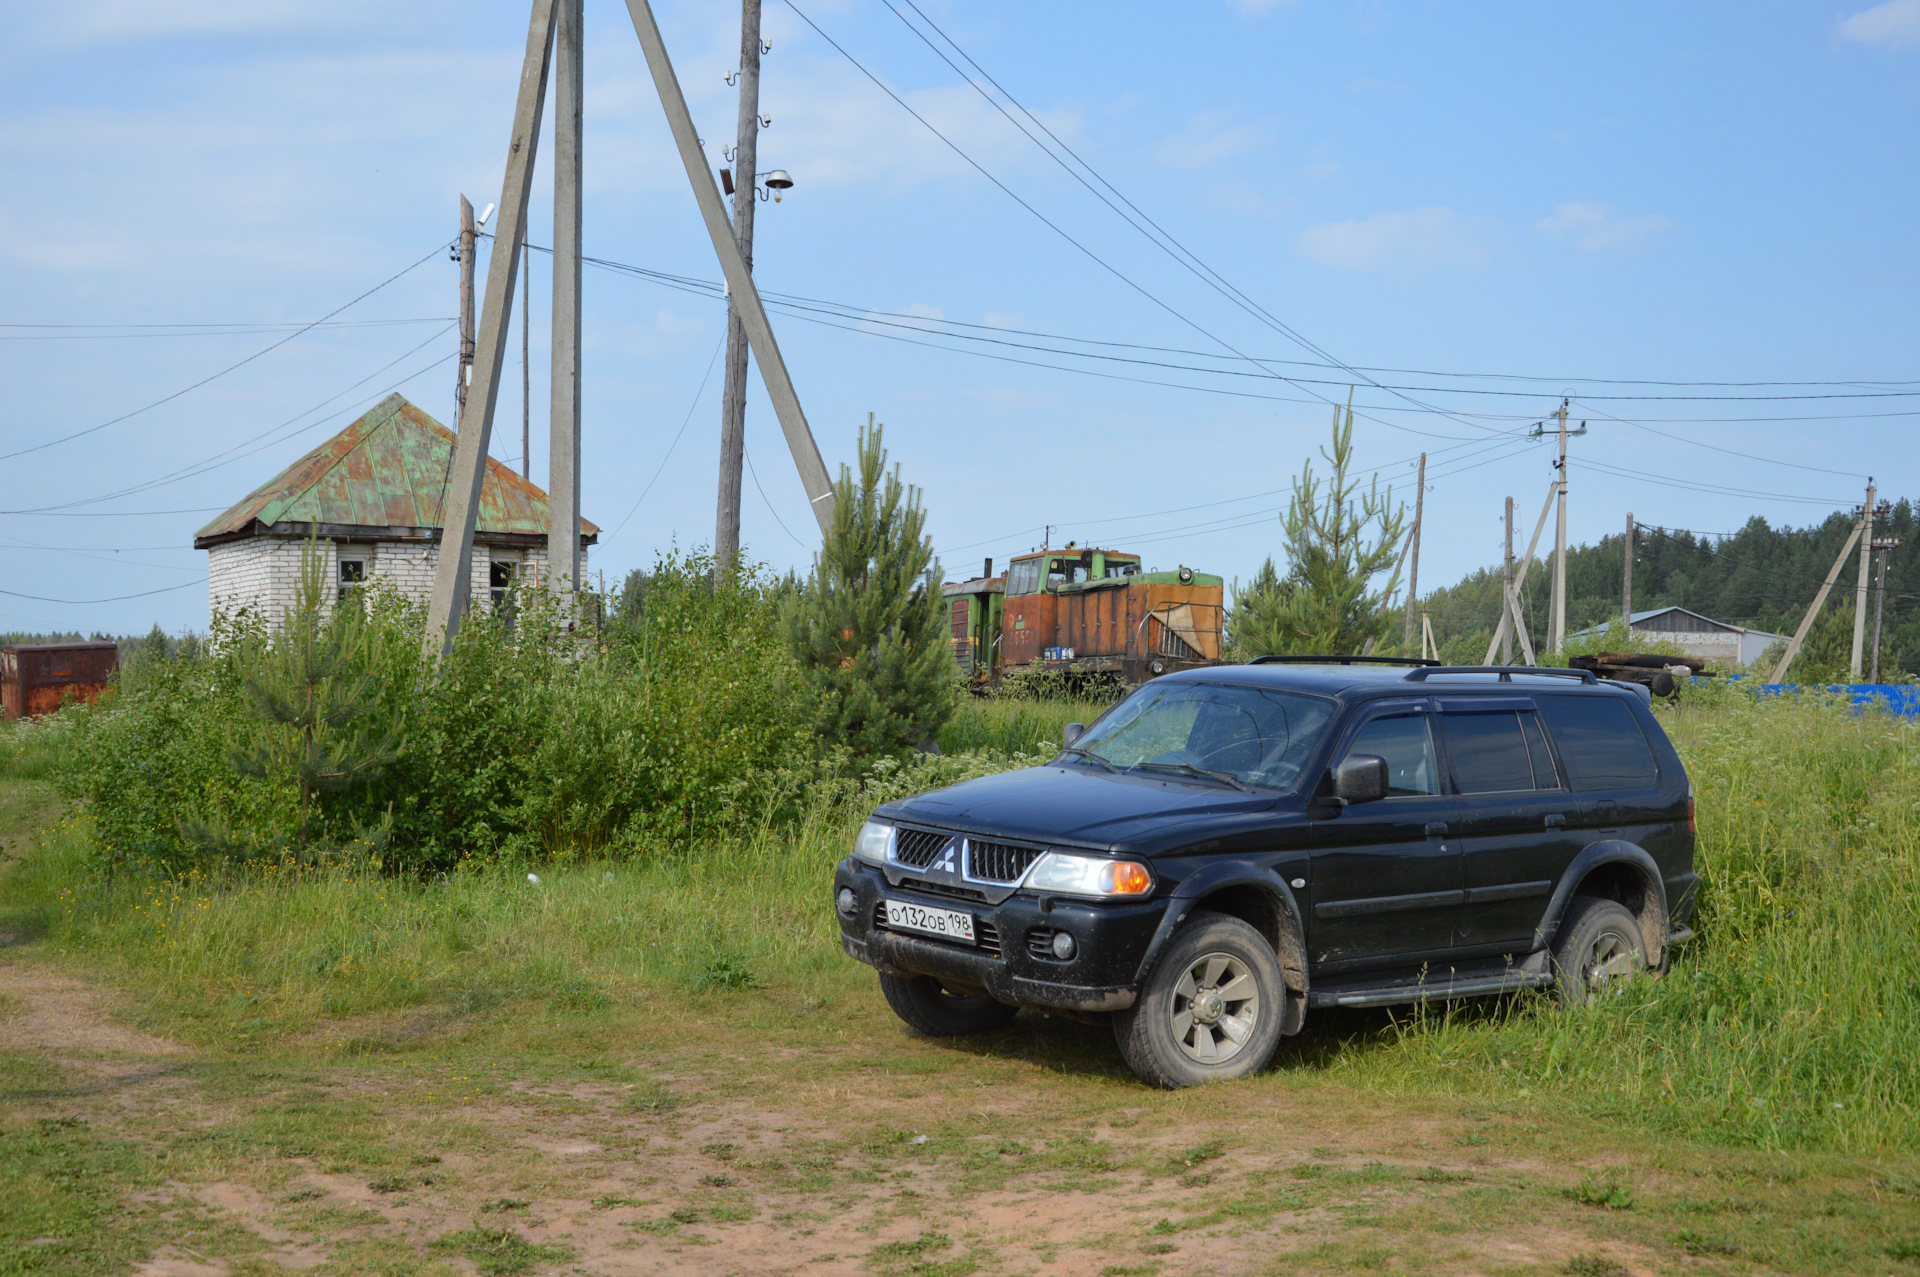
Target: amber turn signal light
(1128, 879)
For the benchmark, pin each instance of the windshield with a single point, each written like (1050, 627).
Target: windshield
(1256, 735)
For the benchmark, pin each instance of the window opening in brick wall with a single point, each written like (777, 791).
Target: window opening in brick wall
(353, 574)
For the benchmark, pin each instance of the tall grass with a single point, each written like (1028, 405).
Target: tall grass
(1793, 1020)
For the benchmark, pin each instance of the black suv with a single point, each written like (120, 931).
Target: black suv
(1228, 847)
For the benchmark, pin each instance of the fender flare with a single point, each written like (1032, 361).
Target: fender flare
(1241, 873)
(1609, 851)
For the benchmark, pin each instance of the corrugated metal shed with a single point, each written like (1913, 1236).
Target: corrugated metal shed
(385, 473)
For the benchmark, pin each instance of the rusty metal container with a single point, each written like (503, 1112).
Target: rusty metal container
(35, 678)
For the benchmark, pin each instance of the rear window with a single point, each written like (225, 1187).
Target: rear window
(1601, 744)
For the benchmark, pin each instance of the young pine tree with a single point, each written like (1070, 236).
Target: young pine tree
(868, 628)
(1339, 539)
(313, 684)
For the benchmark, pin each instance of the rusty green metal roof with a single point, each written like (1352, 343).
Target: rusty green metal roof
(389, 469)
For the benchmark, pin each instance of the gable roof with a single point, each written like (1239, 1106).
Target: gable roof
(386, 471)
(1701, 624)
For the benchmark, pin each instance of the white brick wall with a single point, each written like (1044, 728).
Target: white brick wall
(263, 573)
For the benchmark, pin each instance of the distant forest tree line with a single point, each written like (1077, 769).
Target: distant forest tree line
(1761, 577)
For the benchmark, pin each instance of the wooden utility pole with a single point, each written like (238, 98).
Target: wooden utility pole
(463, 375)
(563, 417)
(453, 567)
(1413, 572)
(1860, 591)
(1879, 602)
(1557, 616)
(1626, 583)
(1813, 609)
(746, 297)
(733, 400)
(1506, 588)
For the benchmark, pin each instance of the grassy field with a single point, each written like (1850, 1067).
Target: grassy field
(611, 1067)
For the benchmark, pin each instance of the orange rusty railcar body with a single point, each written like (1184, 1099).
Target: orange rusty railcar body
(37, 678)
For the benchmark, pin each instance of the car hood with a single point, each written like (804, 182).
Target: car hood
(1081, 806)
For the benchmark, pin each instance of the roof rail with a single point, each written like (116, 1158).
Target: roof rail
(1506, 672)
(1341, 660)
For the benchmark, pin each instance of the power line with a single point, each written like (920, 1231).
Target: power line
(206, 464)
(192, 330)
(691, 408)
(229, 368)
(1062, 233)
(37, 598)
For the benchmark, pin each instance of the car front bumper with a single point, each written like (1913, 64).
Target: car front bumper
(1110, 939)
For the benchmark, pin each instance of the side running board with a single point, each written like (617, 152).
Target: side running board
(1436, 986)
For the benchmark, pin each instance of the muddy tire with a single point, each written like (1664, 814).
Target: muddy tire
(928, 1008)
(1210, 1011)
(1598, 950)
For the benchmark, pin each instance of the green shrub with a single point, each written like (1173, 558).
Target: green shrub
(533, 738)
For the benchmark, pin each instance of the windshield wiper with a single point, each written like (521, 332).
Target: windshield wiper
(1189, 769)
(1089, 755)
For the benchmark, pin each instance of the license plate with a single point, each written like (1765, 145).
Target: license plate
(947, 923)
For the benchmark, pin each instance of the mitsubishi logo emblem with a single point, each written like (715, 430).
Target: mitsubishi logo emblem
(947, 861)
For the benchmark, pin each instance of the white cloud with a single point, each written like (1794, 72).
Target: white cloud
(1004, 319)
(1895, 24)
(1600, 228)
(1417, 239)
(1210, 139)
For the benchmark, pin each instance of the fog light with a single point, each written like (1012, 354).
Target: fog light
(1062, 945)
(846, 901)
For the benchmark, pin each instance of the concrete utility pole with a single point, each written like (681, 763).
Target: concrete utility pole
(746, 298)
(563, 418)
(1557, 617)
(1860, 591)
(526, 369)
(454, 565)
(1626, 582)
(1413, 571)
(1813, 609)
(733, 401)
(1511, 621)
(1506, 588)
(1879, 602)
(463, 375)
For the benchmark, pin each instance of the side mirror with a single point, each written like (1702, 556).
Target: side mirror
(1359, 778)
(1073, 733)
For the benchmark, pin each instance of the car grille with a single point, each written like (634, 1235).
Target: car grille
(986, 935)
(998, 861)
(919, 847)
(1040, 943)
(946, 889)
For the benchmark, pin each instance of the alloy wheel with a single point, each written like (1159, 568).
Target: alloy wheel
(1215, 1006)
(1609, 963)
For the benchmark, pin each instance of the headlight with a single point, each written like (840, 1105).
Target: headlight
(1089, 876)
(873, 842)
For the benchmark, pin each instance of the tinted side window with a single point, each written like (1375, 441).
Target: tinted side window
(1487, 753)
(1600, 743)
(1403, 740)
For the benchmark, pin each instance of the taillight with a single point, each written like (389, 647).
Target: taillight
(1690, 828)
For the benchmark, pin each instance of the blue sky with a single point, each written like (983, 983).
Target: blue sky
(1503, 204)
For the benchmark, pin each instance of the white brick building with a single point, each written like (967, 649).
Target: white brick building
(371, 496)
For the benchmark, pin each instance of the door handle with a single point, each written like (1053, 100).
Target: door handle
(1437, 828)
(1556, 821)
